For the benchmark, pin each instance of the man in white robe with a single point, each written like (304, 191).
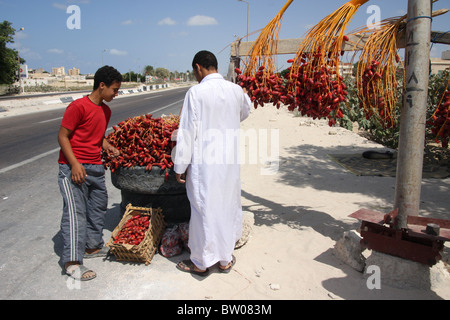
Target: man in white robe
(207, 159)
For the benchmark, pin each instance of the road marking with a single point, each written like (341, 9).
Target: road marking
(22, 163)
(42, 155)
(169, 105)
(153, 97)
(50, 120)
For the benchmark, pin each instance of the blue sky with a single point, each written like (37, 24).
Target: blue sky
(165, 33)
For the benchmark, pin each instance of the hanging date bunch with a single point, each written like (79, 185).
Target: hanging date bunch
(314, 84)
(259, 75)
(377, 72)
(263, 87)
(317, 94)
(142, 141)
(440, 120)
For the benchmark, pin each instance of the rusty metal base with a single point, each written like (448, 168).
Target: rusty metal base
(413, 243)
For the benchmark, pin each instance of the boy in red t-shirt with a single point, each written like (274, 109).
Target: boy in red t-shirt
(81, 175)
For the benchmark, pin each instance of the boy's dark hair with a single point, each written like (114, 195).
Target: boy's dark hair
(205, 59)
(107, 75)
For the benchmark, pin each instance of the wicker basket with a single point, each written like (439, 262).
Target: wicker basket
(144, 251)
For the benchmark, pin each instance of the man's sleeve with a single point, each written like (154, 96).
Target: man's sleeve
(245, 107)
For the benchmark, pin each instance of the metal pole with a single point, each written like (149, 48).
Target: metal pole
(22, 88)
(104, 50)
(413, 112)
(248, 15)
(248, 18)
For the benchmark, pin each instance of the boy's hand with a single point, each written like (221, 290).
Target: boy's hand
(78, 174)
(111, 151)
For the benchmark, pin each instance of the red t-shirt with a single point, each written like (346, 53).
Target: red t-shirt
(88, 123)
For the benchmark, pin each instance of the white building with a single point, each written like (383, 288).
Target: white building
(58, 71)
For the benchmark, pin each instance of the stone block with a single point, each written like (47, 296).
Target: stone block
(349, 250)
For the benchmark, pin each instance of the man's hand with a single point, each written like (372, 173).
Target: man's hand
(181, 178)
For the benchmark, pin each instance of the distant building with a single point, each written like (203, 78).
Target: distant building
(439, 65)
(40, 70)
(74, 72)
(446, 55)
(346, 69)
(58, 71)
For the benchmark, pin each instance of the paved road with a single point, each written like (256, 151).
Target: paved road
(28, 136)
(30, 202)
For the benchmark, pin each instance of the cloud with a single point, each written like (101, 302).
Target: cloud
(56, 51)
(116, 52)
(59, 6)
(166, 22)
(127, 22)
(28, 54)
(201, 21)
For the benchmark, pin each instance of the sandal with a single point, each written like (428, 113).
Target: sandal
(228, 266)
(189, 266)
(76, 271)
(102, 253)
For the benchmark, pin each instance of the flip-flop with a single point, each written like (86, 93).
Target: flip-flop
(227, 270)
(188, 266)
(77, 272)
(102, 253)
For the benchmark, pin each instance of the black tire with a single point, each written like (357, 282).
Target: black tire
(175, 207)
(138, 180)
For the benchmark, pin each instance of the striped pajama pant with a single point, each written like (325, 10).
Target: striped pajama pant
(84, 211)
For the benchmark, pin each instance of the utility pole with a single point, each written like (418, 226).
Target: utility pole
(248, 15)
(413, 112)
(22, 88)
(104, 50)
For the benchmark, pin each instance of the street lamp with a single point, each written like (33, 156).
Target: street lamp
(104, 50)
(18, 60)
(248, 14)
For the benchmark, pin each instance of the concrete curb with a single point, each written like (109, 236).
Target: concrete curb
(121, 92)
(27, 105)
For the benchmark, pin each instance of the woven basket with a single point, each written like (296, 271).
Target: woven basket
(144, 251)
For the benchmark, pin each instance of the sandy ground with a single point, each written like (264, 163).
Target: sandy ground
(301, 200)
(302, 210)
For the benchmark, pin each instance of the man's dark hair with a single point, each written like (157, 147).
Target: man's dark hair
(107, 75)
(205, 59)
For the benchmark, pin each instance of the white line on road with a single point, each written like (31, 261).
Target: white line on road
(50, 120)
(42, 155)
(169, 105)
(22, 163)
(153, 97)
